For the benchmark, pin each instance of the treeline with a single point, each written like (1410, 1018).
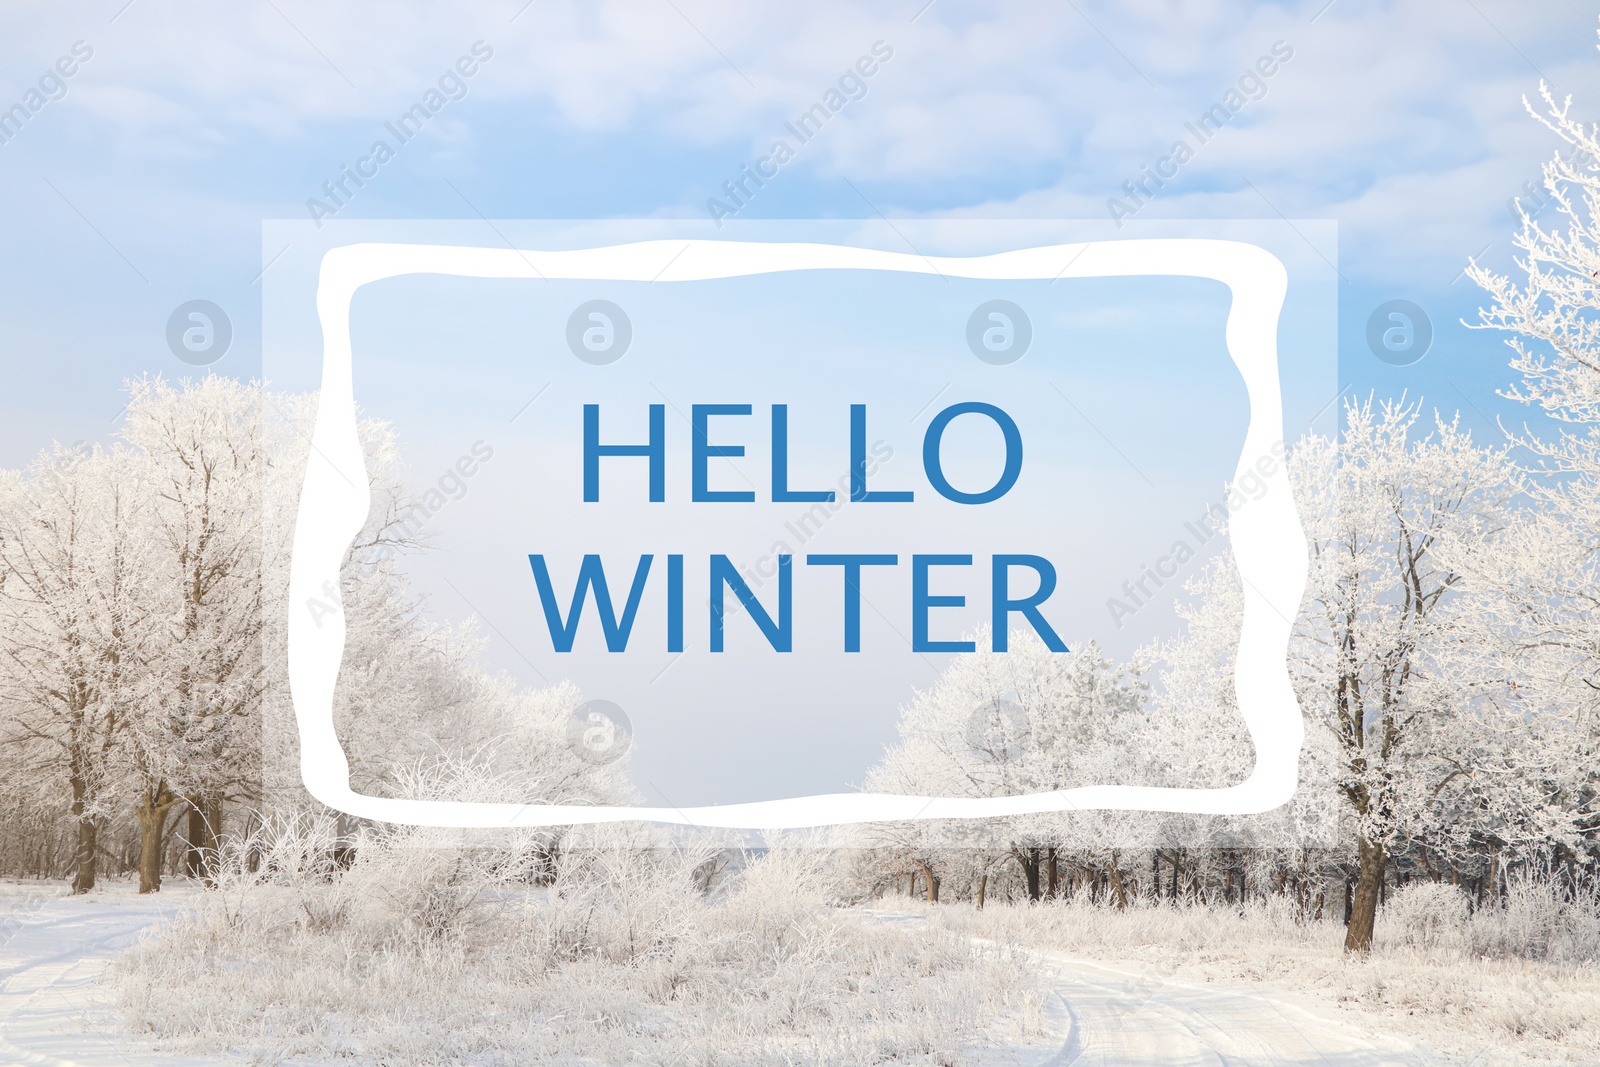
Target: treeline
(143, 700)
(1316, 884)
(1446, 658)
(1450, 728)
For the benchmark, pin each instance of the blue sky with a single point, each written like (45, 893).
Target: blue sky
(145, 185)
(144, 181)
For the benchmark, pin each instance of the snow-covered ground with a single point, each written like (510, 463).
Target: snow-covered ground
(55, 1009)
(1119, 1014)
(1257, 986)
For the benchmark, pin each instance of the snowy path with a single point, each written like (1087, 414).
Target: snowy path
(54, 1009)
(56, 1012)
(1116, 1014)
(1128, 1015)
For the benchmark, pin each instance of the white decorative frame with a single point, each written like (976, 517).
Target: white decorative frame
(1267, 539)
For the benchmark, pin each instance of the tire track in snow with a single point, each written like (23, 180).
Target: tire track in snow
(1132, 1018)
(55, 1010)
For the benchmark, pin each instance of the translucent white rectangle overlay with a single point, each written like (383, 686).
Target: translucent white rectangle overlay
(1267, 540)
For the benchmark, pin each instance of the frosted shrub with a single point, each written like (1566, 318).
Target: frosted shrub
(401, 888)
(1279, 914)
(1521, 925)
(423, 949)
(1428, 916)
(386, 883)
(1544, 915)
(296, 855)
(1578, 934)
(618, 904)
(786, 883)
(431, 884)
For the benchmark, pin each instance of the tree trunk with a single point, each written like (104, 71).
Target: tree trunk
(1114, 877)
(1028, 860)
(983, 889)
(1364, 904)
(151, 812)
(83, 873)
(1052, 875)
(933, 884)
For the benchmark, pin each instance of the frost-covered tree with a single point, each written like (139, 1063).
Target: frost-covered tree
(1393, 660)
(196, 742)
(1553, 312)
(411, 689)
(1385, 510)
(77, 628)
(1547, 581)
(1197, 738)
(142, 673)
(1001, 724)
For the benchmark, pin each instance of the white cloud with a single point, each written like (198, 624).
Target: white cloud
(1402, 119)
